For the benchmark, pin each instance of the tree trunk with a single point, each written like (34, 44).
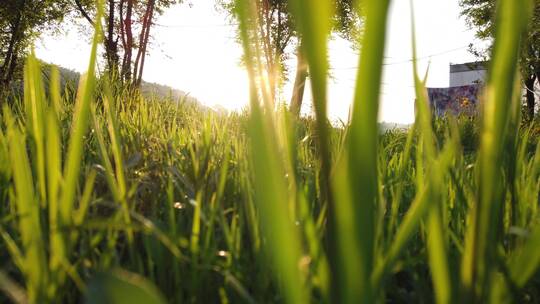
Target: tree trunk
(7, 70)
(12, 65)
(144, 37)
(299, 82)
(529, 85)
(111, 48)
(265, 35)
(5, 78)
(128, 42)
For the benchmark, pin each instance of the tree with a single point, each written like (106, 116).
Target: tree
(20, 22)
(347, 23)
(127, 33)
(480, 15)
(276, 32)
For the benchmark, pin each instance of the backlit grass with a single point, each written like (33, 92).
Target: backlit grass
(112, 196)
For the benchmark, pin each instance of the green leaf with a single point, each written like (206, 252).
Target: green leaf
(120, 287)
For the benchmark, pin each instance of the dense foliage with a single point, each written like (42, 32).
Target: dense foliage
(480, 15)
(277, 34)
(21, 21)
(127, 33)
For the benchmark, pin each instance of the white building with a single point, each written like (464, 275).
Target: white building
(468, 74)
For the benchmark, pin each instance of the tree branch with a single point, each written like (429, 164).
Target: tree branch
(83, 12)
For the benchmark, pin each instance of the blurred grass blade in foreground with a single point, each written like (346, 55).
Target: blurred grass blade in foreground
(271, 196)
(484, 235)
(356, 180)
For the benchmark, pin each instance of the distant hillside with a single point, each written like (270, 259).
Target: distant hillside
(150, 89)
(147, 88)
(385, 126)
(159, 91)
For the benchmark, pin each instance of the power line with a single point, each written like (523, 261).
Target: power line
(196, 25)
(432, 55)
(408, 60)
(332, 68)
(395, 85)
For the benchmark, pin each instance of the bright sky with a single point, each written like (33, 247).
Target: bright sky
(195, 50)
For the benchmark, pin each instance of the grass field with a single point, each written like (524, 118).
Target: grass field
(111, 197)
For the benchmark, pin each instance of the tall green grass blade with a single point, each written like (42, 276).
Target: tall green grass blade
(438, 257)
(402, 174)
(524, 264)
(15, 292)
(54, 181)
(84, 203)
(120, 186)
(56, 96)
(105, 159)
(359, 206)
(283, 245)
(13, 249)
(524, 261)
(196, 226)
(484, 236)
(35, 119)
(28, 209)
(436, 244)
(314, 23)
(116, 143)
(78, 129)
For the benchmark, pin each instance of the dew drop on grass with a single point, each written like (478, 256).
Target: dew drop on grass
(223, 253)
(304, 262)
(179, 205)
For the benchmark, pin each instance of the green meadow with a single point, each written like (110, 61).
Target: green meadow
(109, 196)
